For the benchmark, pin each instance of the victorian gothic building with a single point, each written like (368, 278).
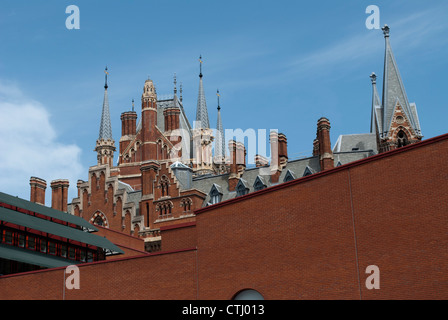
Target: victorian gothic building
(189, 219)
(167, 168)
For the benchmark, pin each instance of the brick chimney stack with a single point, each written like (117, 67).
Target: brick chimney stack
(275, 164)
(38, 187)
(240, 157)
(233, 177)
(171, 119)
(128, 123)
(261, 161)
(326, 159)
(59, 194)
(282, 150)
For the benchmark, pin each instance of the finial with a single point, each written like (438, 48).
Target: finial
(200, 66)
(105, 71)
(217, 93)
(175, 84)
(132, 105)
(386, 30)
(180, 92)
(373, 77)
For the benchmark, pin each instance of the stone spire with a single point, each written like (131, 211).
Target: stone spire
(105, 145)
(220, 146)
(394, 119)
(393, 90)
(105, 126)
(202, 121)
(376, 103)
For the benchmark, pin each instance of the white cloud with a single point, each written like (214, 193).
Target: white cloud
(409, 33)
(29, 146)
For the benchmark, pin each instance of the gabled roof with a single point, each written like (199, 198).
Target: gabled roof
(243, 183)
(45, 211)
(290, 175)
(307, 171)
(34, 257)
(60, 230)
(356, 142)
(179, 164)
(216, 188)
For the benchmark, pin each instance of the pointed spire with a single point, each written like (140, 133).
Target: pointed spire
(220, 146)
(106, 74)
(105, 126)
(175, 85)
(201, 110)
(393, 88)
(180, 90)
(375, 102)
(105, 145)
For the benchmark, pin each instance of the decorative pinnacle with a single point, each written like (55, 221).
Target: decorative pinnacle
(132, 104)
(180, 92)
(105, 71)
(200, 66)
(175, 84)
(386, 30)
(217, 93)
(373, 77)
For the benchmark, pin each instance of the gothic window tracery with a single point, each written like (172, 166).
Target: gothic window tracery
(164, 186)
(402, 139)
(186, 204)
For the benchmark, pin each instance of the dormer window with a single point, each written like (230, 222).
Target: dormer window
(259, 184)
(289, 176)
(215, 194)
(241, 188)
(307, 171)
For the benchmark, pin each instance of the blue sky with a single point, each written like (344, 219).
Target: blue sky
(278, 65)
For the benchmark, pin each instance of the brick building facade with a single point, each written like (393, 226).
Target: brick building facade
(198, 223)
(310, 238)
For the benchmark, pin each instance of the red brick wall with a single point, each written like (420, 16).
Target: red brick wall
(159, 276)
(314, 240)
(132, 246)
(310, 238)
(179, 236)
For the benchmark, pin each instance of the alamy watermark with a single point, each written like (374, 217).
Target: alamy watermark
(73, 280)
(373, 280)
(73, 20)
(373, 20)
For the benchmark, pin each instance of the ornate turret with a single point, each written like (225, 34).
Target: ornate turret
(105, 145)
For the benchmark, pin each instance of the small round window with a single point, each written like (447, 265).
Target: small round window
(248, 294)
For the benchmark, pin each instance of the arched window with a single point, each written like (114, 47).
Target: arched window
(248, 294)
(98, 221)
(402, 139)
(164, 184)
